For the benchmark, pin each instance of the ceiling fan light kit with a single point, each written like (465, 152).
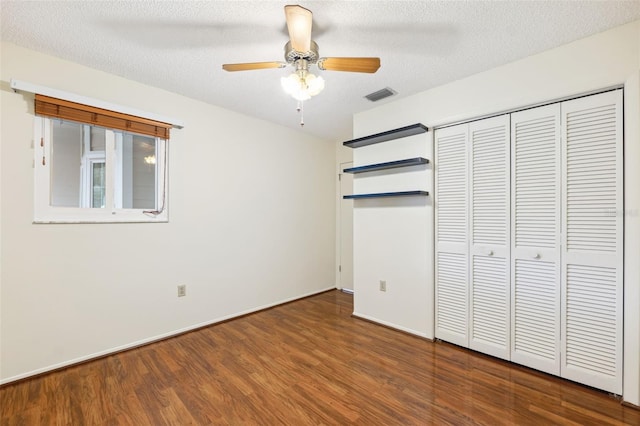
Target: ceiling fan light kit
(301, 52)
(302, 85)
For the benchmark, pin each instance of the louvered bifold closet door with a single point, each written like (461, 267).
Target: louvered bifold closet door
(535, 227)
(592, 257)
(489, 287)
(451, 235)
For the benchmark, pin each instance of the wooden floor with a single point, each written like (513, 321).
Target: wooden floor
(305, 363)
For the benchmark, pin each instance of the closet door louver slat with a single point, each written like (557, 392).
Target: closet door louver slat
(592, 246)
(451, 213)
(489, 302)
(535, 255)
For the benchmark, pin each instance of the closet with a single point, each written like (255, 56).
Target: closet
(529, 226)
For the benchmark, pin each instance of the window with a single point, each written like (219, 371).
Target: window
(91, 172)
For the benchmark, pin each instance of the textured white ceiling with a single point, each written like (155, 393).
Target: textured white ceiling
(180, 46)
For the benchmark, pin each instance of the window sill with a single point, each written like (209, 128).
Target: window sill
(123, 217)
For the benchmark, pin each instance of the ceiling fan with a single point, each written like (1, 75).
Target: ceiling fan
(301, 52)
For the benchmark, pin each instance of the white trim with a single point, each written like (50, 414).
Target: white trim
(156, 338)
(466, 118)
(72, 97)
(391, 325)
(631, 159)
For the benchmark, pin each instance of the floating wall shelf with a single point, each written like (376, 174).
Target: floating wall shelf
(389, 165)
(386, 194)
(402, 132)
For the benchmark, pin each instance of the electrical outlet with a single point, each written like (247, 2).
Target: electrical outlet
(182, 290)
(383, 285)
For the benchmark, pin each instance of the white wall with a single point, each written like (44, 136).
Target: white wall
(393, 235)
(604, 60)
(251, 225)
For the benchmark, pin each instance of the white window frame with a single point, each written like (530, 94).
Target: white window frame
(44, 212)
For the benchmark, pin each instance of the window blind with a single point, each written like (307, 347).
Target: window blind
(58, 108)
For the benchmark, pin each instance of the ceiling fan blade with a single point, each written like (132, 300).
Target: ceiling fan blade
(248, 66)
(299, 26)
(368, 65)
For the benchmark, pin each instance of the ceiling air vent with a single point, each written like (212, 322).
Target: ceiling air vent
(380, 94)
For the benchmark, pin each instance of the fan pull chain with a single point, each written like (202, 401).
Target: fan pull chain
(300, 109)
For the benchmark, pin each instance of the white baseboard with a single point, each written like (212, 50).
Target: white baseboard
(392, 325)
(156, 338)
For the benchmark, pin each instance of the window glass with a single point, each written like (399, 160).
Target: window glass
(97, 141)
(66, 159)
(139, 177)
(98, 184)
(77, 165)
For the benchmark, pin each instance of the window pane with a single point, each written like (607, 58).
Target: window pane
(66, 154)
(75, 148)
(97, 184)
(97, 139)
(138, 172)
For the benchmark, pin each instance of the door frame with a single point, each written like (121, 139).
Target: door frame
(340, 261)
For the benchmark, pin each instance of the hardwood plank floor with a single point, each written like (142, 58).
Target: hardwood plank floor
(304, 363)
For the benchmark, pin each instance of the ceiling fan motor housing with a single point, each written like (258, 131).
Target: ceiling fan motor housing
(291, 55)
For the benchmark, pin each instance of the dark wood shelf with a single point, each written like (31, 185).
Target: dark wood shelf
(389, 165)
(386, 194)
(402, 132)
